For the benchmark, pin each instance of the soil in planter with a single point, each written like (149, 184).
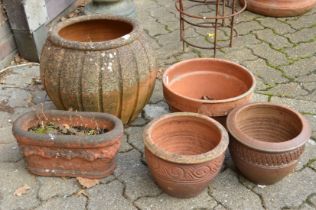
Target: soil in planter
(65, 129)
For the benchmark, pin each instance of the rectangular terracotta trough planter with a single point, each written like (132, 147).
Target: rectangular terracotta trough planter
(69, 155)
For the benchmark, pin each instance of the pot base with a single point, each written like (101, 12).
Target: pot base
(263, 175)
(71, 168)
(72, 173)
(183, 180)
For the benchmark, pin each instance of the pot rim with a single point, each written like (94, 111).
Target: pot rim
(249, 91)
(55, 38)
(264, 146)
(69, 140)
(186, 159)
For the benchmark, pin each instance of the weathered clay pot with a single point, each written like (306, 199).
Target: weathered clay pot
(266, 140)
(225, 83)
(66, 155)
(98, 63)
(184, 152)
(279, 8)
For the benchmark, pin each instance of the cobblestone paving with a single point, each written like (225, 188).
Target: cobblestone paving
(280, 52)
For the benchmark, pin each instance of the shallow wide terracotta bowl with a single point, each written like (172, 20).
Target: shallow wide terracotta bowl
(279, 8)
(209, 86)
(66, 155)
(266, 140)
(184, 152)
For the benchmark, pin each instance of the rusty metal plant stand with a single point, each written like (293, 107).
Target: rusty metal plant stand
(212, 21)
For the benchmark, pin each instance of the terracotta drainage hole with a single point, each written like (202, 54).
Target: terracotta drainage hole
(269, 124)
(185, 136)
(95, 30)
(209, 85)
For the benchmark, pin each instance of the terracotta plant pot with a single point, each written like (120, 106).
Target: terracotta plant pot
(184, 152)
(98, 63)
(266, 140)
(69, 155)
(222, 83)
(279, 8)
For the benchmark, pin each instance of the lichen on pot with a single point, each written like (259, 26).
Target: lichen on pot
(266, 140)
(91, 156)
(184, 152)
(98, 63)
(209, 86)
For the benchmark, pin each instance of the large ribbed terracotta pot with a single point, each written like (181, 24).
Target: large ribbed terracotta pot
(279, 8)
(209, 86)
(98, 63)
(266, 140)
(184, 152)
(91, 156)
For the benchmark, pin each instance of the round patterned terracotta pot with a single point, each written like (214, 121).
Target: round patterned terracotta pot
(184, 152)
(266, 140)
(208, 86)
(91, 156)
(98, 63)
(279, 8)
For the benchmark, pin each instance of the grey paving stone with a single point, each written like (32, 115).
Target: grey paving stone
(6, 135)
(276, 41)
(157, 94)
(28, 71)
(54, 186)
(238, 55)
(135, 176)
(312, 200)
(310, 86)
(312, 121)
(274, 58)
(5, 119)
(38, 96)
(152, 111)
(125, 146)
(170, 43)
(186, 56)
(300, 67)
(20, 98)
(220, 207)
(202, 201)
(300, 105)
(276, 25)
(291, 191)
(247, 16)
(108, 196)
(247, 27)
(308, 155)
(301, 51)
(260, 84)
(14, 176)
(270, 75)
(260, 98)
(69, 203)
(9, 152)
(313, 165)
(289, 90)
(135, 137)
(304, 35)
(245, 41)
(139, 121)
(301, 22)
(228, 191)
